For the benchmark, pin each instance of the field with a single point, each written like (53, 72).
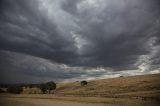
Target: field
(123, 91)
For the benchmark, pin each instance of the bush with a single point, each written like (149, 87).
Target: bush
(47, 86)
(2, 91)
(43, 87)
(83, 83)
(15, 89)
(51, 85)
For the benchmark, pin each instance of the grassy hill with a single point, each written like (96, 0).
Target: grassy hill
(141, 90)
(143, 85)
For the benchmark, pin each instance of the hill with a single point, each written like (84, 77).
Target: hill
(141, 90)
(132, 86)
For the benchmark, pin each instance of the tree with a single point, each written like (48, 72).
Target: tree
(83, 83)
(51, 86)
(15, 89)
(43, 87)
(47, 86)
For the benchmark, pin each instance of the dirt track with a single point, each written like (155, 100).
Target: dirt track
(53, 100)
(42, 102)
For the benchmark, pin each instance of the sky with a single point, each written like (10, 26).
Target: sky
(70, 40)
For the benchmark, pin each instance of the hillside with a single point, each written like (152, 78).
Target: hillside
(143, 85)
(141, 90)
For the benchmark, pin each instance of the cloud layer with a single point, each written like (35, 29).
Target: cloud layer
(79, 34)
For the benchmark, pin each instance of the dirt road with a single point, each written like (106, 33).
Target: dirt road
(53, 100)
(43, 102)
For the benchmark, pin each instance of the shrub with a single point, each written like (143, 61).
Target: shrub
(30, 85)
(43, 87)
(83, 83)
(15, 89)
(48, 86)
(51, 85)
(2, 91)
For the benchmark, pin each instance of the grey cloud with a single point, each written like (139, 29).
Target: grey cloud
(77, 33)
(25, 29)
(35, 69)
(114, 35)
(30, 67)
(119, 33)
(70, 5)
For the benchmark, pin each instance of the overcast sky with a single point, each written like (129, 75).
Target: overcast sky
(67, 40)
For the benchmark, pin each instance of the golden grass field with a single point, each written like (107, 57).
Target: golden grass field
(143, 85)
(141, 90)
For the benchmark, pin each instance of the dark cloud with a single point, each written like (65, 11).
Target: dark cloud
(25, 68)
(24, 29)
(118, 32)
(70, 5)
(77, 33)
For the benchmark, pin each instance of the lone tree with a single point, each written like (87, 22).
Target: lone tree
(51, 86)
(83, 83)
(48, 86)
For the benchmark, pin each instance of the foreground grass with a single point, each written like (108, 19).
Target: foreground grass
(53, 100)
(24, 101)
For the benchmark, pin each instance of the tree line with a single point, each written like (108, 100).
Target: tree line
(18, 88)
(44, 87)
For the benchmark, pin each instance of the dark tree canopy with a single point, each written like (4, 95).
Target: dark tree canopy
(47, 86)
(83, 83)
(51, 85)
(15, 89)
(43, 87)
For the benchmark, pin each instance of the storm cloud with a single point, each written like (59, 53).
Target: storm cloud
(68, 39)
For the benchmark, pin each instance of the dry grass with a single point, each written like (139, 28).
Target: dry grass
(124, 91)
(41, 102)
(31, 91)
(51, 100)
(145, 85)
